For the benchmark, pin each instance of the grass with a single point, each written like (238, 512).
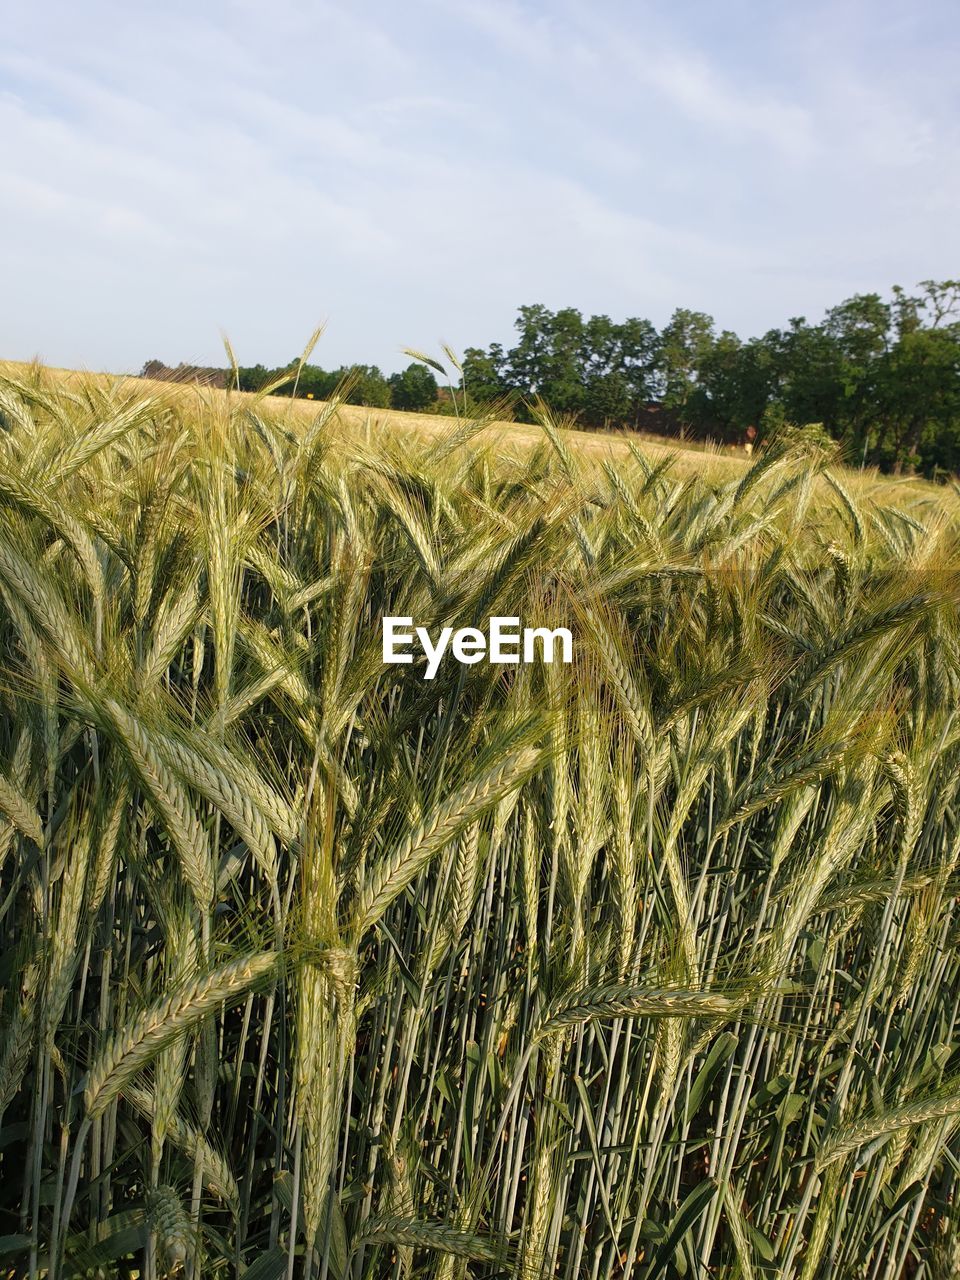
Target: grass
(643, 966)
(688, 457)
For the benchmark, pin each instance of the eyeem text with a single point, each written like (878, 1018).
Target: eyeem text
(503, 642)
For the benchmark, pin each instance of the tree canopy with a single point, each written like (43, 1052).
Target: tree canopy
(879, 375)
(882, 376)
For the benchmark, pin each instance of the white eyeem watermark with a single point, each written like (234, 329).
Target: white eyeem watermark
(505, 643)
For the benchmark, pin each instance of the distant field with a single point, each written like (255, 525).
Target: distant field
(713, 462)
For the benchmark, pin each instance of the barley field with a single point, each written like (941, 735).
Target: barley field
(642, 966)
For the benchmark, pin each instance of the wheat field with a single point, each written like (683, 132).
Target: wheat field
(641, 966)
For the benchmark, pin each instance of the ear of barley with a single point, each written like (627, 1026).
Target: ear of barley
(216, 1172)
(169, 798)
(854, 1137)
(617, 1001)
(128, 1051)
(20, 812)
(394, 872)
(437, 1236)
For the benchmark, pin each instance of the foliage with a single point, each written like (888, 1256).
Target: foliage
(415, 389)
(644, 966)
(595, 369)
(361, 384)
(883, 378)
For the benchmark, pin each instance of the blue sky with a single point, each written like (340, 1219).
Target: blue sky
(414, 172)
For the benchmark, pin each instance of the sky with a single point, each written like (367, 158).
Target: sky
(413, 173)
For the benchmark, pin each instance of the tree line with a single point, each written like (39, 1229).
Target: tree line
(879, 375)
(414, 389)
(882, 376)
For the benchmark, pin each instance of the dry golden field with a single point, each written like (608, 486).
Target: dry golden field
(710, 461)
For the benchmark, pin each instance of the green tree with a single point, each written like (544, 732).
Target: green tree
(811, 378)
(619, 363)
(598, 370)
(547, 360)
(917, 401)
(861, 327)
(314, 381)
(529, 362)
(366, 385)
(415, 389)
(736, 381)
(685, 341)
(484, 373)
(252, 377)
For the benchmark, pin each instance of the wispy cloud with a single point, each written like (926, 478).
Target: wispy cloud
(412, 172)
(737, 112)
